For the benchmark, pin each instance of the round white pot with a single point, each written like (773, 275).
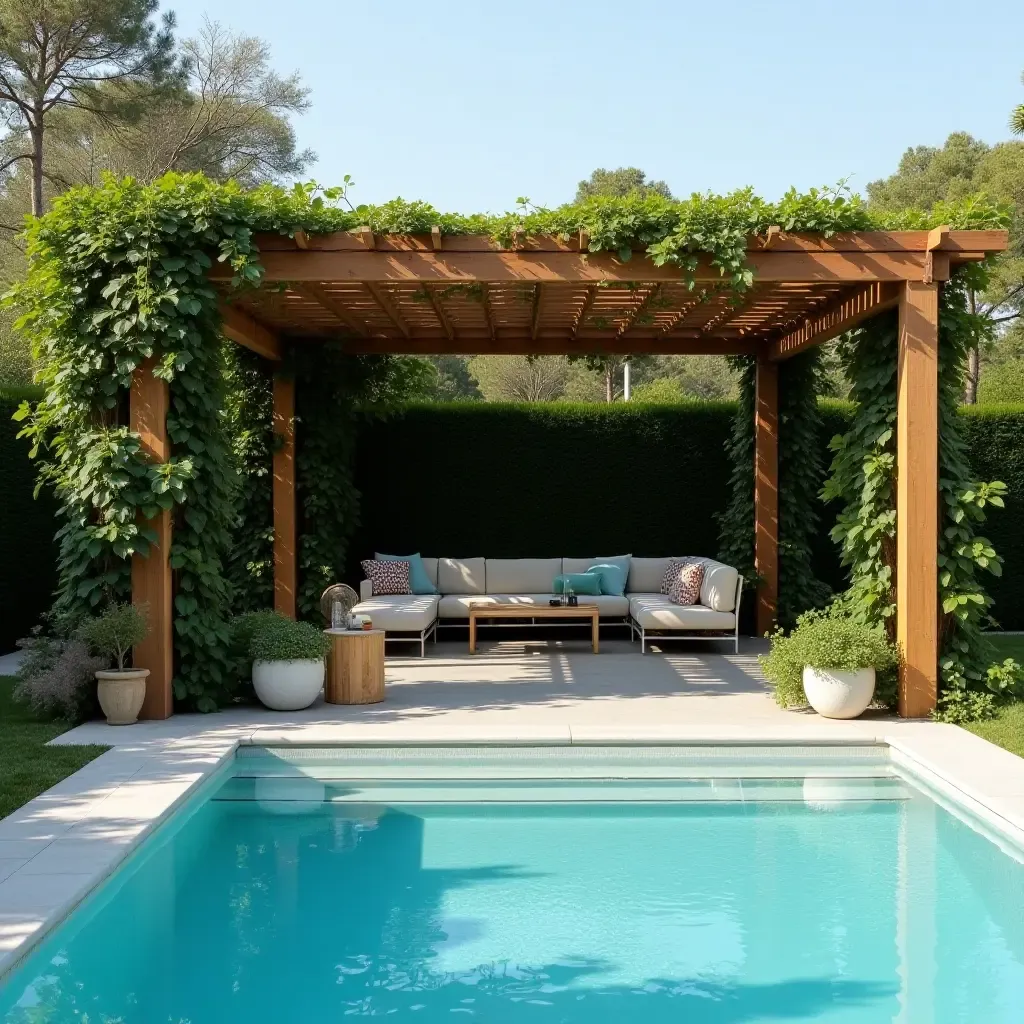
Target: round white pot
(121, 694)
(835, 693)
(288, 685)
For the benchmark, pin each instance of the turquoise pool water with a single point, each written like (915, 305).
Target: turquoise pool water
(720, 901)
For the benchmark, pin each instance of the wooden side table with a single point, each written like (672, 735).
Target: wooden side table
(355, 666)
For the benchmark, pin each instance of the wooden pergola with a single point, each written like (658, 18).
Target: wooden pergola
(443, 294)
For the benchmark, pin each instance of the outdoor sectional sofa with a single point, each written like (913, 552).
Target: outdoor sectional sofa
(529, 581)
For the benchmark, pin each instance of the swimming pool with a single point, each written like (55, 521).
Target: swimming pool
(563, 885)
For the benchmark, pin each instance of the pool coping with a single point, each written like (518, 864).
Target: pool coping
(56, 849)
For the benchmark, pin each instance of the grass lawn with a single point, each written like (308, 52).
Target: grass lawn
(1007, 729)
(27, 767)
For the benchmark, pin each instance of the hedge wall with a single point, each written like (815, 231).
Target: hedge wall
(28, 552)
(514, 480)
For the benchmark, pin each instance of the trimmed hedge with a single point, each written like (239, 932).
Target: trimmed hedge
(508, 480)
(28, 551)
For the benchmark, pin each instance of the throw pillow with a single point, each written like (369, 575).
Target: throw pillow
(613, 578)
(387, 577)
(419, 581)
(671, 574)
(686, 589)
(579, 583)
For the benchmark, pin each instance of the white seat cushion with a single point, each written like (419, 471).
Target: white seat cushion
(398, 613)
(457, 606)
(461, 576)
(522, 575)
(656, 611)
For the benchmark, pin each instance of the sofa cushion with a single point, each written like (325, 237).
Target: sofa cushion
(645, 575)
(457, 606)
(685, 588)
(521, 575)
(718, 590)
(419, 581)
(430, 567)
(656, 611)
(613, 577)
(461, 575)
(583, 564)
(400, 612)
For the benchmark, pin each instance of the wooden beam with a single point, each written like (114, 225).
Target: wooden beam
(240, 327)
(639, 309)
(766, 493)
(389, 307)
(285, 534)
(525, 265)
(366, 236)
(506, 343)
(585, 311)
(836, 319)
(485, 301)
(965, 244)
(151, 575)
(439, 312)
(937, 239)
(535, 314)
(917, 499)
(315, 293)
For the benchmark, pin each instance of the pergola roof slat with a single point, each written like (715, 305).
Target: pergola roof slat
(466, 295)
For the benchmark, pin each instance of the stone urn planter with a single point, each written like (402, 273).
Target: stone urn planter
(839, 693)
(121, 693)
(288, 685)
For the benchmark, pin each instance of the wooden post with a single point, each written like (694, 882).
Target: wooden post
(151, 576)
(285, 564)
(766, 492)
(917, 499)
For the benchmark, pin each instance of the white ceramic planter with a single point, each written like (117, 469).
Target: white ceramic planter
(835, 693)
(288, 685)
(121, 694)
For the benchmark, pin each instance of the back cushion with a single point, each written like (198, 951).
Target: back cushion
(460, 575)
(718, 590)
(583, 564)
(430, 564)
(522, 575)
(645, 575)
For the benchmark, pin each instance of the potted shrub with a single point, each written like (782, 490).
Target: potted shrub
(287, 662)
(829, 663)
(112, 635)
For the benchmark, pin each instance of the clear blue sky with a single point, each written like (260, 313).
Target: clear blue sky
(471, 104)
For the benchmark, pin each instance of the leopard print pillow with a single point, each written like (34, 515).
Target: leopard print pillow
(686, 589)
(671, 575)
(387, 577)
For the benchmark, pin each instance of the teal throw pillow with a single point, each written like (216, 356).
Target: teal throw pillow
(419, 581)
(613, 578)
(578, 583)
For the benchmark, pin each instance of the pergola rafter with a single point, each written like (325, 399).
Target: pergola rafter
(436, 294)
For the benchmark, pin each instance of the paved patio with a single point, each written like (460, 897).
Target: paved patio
(533, 689)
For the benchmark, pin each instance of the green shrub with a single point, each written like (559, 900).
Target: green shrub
(961, 706)
(275, 638)
(823, 641)
(114, 633)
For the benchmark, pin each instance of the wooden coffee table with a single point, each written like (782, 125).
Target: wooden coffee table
(355, 666)
(533, 611)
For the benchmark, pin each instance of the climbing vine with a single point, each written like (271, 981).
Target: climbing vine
(118, 276)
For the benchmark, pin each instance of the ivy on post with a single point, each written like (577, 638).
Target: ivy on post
(766, 492)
